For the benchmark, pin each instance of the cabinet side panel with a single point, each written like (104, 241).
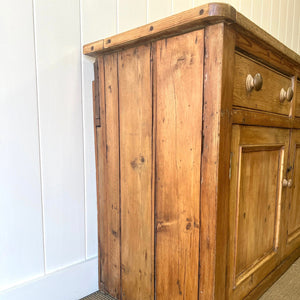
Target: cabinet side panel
(178, 64)
(135, 100)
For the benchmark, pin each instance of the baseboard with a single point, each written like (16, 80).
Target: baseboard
(71, 283)
(273, 276)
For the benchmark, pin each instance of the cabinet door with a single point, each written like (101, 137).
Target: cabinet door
(258, 159)
(292, 207)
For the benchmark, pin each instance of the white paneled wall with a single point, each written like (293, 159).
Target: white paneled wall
(21, 230)
(57, 32)
(48, 211)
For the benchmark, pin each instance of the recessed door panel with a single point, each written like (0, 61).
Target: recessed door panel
(257, 204)
(258, 160)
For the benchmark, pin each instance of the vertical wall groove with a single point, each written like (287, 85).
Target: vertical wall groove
(83, 131)
(39, 133)
(117, 17)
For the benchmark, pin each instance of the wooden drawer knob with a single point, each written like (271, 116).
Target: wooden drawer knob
(288, 95)
(255, 82)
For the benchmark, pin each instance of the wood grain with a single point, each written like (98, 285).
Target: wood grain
(111, 241)
(259, 158)
(263, 52)
(218, 78)
(258, 180)
(266, 99)
(260, 118)
(96, 97)
(222, 223)
(93, 47)
(191, 206)
(185, 21)
(179, 68)
(101, 177)
(247, 26)
(291, 224)
(297, 98)
(267, 282)
(135, 104)
(266, 46)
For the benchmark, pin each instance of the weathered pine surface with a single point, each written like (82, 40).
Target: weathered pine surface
(197, 171)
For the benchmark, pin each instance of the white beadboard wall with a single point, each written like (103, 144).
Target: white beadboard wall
(48, 217)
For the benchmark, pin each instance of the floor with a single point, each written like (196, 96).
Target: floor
(286, 288)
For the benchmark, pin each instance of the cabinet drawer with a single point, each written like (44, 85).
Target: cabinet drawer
(267, 98)
(297, 112)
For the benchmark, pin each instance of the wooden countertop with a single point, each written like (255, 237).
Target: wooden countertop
(192, 19)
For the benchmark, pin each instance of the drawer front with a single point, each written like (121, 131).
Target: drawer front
(297, 112)
(267, 98)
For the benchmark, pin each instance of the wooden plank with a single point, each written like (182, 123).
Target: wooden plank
(93, 47)
(96, 94)
(250, 117)
(184, 21)
(179, 68)
(135, 104)
(218, 84)
(225, 122)
(297, 97)
(112, 213)
(192, 19)
(101, 177)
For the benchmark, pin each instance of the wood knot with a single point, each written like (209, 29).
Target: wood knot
(188, 226)
(138, 162)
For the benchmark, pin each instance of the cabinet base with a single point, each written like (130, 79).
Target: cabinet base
(274, 276)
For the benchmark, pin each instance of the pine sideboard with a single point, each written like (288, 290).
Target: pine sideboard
(197, 139)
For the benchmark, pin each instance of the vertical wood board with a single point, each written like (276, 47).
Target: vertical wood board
(109, 194)
(135, 105)
(100, 138)
(218, 86)
(179, 67)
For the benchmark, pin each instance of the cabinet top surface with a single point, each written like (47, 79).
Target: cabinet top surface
(196, 18)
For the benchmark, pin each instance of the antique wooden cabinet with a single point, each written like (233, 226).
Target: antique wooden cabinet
(197, 133)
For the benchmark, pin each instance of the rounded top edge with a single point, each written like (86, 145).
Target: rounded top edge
(192, 18)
